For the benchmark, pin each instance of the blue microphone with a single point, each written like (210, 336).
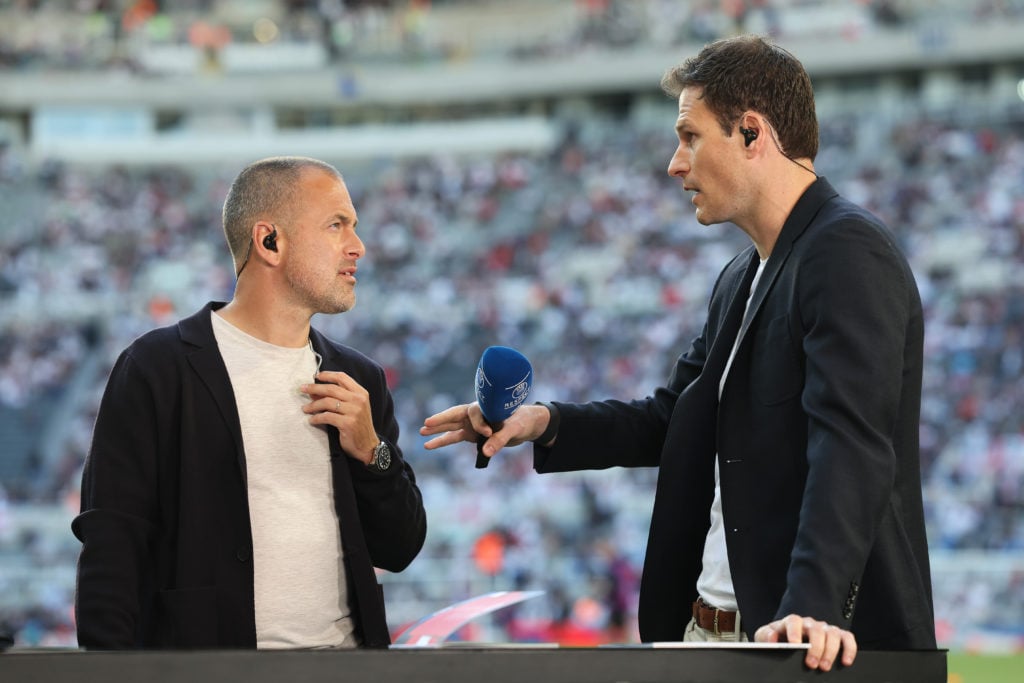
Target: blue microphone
(503, 380)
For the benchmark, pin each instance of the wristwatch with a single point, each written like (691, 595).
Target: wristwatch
(381, 459)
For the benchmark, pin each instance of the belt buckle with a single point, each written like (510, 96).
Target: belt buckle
(717, 632)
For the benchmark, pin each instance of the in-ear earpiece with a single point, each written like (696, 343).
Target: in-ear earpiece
(749, 135)
(270, 241)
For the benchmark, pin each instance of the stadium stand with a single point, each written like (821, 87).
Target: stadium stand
(569, 243)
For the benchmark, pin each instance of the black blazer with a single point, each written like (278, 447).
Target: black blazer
(816, 435)
(166, 558)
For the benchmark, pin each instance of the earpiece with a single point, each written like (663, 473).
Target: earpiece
(270, 241)
(749, 135)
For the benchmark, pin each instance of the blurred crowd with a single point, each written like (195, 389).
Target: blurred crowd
(588, 260)
(103, 34)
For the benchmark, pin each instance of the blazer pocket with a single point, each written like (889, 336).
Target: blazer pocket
(776, 365)
(188, 618)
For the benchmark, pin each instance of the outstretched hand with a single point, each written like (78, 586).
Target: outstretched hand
(826, 641)
(465, 422)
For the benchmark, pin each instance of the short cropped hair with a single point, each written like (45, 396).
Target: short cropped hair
(264, 190)
(747, 73)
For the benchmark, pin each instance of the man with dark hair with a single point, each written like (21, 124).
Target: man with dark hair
(245, 478)
(788, 503)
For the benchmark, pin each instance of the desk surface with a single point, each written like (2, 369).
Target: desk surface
(736, 664)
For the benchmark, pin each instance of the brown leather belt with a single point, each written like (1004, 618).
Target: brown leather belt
(710, 618)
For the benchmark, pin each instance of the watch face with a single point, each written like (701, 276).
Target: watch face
(382, 455)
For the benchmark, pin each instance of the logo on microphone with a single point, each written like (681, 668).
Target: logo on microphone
(519, 393)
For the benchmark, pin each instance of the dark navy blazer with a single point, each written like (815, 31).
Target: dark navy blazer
(816, 435)
(166, 559)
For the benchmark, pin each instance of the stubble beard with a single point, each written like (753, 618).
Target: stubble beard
(329, 301)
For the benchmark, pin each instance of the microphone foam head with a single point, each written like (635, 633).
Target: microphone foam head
(503, 381)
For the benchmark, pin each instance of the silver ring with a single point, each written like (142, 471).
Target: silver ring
(337, 405)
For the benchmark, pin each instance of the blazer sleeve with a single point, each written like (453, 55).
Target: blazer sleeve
(613, 433)
(854, 303)
(390, 504)
(118, 516)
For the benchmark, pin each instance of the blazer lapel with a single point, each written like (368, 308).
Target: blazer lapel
(771, 270)
(328, 361)
(726, 334)
(800, 217)
(206, 361)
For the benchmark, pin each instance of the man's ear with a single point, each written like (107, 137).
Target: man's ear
(750, 126)
(264, 235)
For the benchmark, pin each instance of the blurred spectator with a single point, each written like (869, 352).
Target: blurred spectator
(95, 34)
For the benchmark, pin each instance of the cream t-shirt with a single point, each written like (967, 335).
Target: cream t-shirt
(299, 576)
